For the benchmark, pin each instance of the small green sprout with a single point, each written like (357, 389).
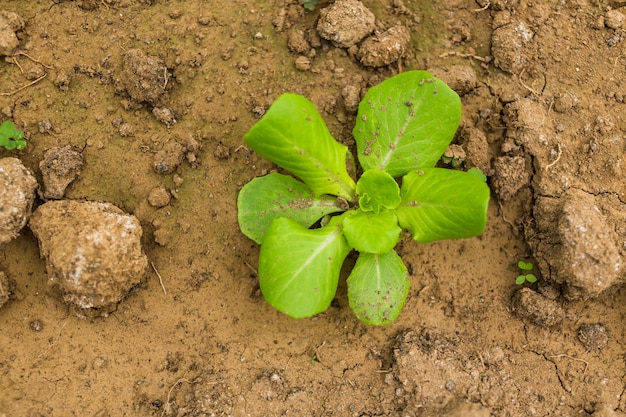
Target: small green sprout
(310, 4)
(11, 137)
(525, 275)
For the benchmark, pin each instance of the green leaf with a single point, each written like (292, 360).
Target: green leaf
(531, 278)
(520, 279)
(442, 204)
(293, 135)
(276, 195)
(299, 268)
(377, 190)
(525, 266)
(377, 287)
(369, 232)
(406, 123)
(11, 137)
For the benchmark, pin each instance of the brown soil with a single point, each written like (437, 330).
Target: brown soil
(155, 97)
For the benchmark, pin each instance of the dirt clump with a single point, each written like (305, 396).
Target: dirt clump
(169, 158)
(345, 23)
(17, 194)
(59, 167)
(509, 43)
(5, 289)
(510, 176)
(385, 48)
(144, 77)
(538, 309)
(460, 78)
(92, 251)
(10, 24)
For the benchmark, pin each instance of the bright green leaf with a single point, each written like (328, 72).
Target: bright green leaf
(525, 266)
(531, 278)
(377, 287)
(377, 190)
(369, 232)
(299, 267)
(520, 279)
(441, 204)
(406, 123)
(276, 195)
(293, 135)
(11, 137)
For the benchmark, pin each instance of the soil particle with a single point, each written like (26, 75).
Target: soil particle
(5, 289)
(164, 115)
(510, 176)
(59, 167)
(159, 197)
(296, 41)
(461, 78)
(476, 146)
(10, 23)
(169, 158)
(536, 308)
(92, 251)
(385, 48)
(143, 77)
(303, 63)
(614, 19)
(17, 194)
(594, 336)
(589, 257)
(351, 98)
(466, 409)
(221, 151)
(509, 46)
(345, 23)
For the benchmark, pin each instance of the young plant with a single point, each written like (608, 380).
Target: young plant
(525, 274)
(403, 127)
(11, 137)
(310, 4)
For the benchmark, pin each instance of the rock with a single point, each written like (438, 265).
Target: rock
(385, 48)
(17, 194)
(59, 167)
(10, 23)
(538, 309)
(92, 251)
(144, 77)
(345, 23)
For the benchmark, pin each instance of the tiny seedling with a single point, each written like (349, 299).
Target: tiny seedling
(307, 226)
(525, 274)
(11, 137)
(310, 4)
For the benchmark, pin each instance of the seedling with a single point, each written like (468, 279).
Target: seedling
(310, 4)
(403, 127)
(525, 275)
(11, 137)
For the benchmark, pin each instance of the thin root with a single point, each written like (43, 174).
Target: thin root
(160, 279)
(10, 93)
(551, 164)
